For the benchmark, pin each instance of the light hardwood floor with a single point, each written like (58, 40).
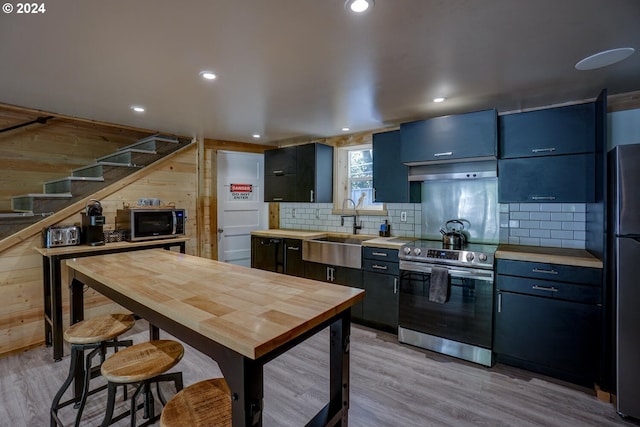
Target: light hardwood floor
(391, 385)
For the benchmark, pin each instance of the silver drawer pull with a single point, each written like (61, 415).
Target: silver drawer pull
(543, 197)
(448, 153)
(278, 172)
(537, 270)
(275, 199)
(378, 253)
(293, 248)
(545, 288)
(543, 150)
(379, 267)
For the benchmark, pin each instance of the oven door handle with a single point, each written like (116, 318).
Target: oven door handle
(486, 275)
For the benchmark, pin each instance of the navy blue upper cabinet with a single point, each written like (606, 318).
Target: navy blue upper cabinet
(460, 136)
(548, 155)
(553, 131)
(390, 177)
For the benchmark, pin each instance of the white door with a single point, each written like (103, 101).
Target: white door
(240, 204)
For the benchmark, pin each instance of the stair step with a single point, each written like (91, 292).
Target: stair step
(99, 169)
(38, 203)
(65, 185)
(151, 142)
(127, 157)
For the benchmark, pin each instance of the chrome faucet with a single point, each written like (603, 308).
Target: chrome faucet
(356, 226)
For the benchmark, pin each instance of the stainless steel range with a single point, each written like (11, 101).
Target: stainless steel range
(461, 326)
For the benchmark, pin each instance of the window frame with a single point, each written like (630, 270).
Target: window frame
(341, 182)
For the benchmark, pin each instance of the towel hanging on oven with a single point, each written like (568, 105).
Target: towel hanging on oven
(439, 286)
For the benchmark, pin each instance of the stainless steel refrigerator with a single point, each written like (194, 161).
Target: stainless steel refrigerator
(624, 171)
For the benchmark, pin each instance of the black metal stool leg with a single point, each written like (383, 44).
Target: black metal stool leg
(55, 405)
(111, 401)
(87, 377)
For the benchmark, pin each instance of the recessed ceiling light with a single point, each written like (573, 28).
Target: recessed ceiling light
(208, 75)
(345, 129)
(604, 58)
(359, 6)
(438, 99)
(256, 135)
(137, 108)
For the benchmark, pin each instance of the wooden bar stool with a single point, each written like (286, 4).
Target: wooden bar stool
(141, 364)
(97, 335)
(203, 404)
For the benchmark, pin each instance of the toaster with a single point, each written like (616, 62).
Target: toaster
(61, 235)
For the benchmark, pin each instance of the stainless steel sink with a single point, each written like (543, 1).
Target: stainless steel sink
(345, 251)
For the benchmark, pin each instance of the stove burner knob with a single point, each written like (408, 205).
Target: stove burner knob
(470, 256)
(417, 251)
(407, 251)
(483, 257)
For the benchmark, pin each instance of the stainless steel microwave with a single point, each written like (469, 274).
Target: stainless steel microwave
(148, 224)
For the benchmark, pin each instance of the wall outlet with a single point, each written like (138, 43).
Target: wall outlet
(403, 216)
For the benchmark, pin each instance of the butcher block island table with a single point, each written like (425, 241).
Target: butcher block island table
(242, 318)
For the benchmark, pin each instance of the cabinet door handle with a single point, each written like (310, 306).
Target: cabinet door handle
(499, 302)
(538, 270)
(379, 254)
(545, 288)
(374, 195)
(293, 248)
(379, 267)
(278, 172)
(447, 153)
(311, 196)
(395, 285)
(277, 199)
(543, 197)
(543, 150)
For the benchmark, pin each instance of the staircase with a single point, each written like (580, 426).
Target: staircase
(30, 208)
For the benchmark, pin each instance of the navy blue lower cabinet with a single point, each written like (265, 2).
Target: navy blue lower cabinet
(554, 337)
(551, 179)
(381, 300)
(339, 275)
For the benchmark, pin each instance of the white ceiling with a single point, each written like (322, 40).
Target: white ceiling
(307, 68)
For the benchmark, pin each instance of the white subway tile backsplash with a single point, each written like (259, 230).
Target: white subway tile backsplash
(564, 216)
(551, 207)
(514, 223)
(514, 207)
(572, 225)
(540, 216)
(540, 233)
(520, 232)
(519, 215)
(531, 241)
(529, 224)
(551, 225)
(530, 207)
(574, 207)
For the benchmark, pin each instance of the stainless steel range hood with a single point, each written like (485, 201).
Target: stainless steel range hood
(485, 168)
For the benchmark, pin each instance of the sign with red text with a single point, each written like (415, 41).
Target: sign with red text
(241, 192)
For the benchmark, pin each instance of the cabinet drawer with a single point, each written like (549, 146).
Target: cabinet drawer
(555, 272)
(553, 131)
(381, 254)
(385, 267)
(550, 289)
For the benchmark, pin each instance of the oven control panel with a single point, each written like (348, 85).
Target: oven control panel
(442, 254)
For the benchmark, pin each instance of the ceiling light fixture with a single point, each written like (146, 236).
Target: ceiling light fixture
(208, 75)
(604, 58)
(359, 6)
(345, 129)
(438, 99)
(256, 135)
(137, 108)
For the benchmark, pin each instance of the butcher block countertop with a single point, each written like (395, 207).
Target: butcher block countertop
(367, 240)
(247, 310)
(574, 257)
(67, 250)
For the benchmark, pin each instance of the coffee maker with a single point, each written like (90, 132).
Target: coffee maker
(93, 224)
